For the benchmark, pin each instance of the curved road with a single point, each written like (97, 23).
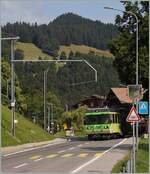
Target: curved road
(70, 157)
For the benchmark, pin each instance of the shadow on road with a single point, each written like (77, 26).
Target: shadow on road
(94, 139)
(103, 148)
(79, 138)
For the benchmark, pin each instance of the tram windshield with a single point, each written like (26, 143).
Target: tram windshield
(98, 119)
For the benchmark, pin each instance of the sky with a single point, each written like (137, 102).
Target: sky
(44, 11)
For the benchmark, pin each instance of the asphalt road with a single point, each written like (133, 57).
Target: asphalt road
(69, 157)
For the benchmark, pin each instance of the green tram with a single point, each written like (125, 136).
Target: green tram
(102, 123)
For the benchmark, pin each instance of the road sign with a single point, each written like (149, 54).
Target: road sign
(12, 104)
(134, 91)
(143, 107)
(15, 121)
(133, 115)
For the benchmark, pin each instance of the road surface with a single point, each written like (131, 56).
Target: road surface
(78, 155)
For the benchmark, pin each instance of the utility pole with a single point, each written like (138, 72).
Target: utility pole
(12, 40)
(45, 97)
(48, 127)
(12, 90)
(52, 119)
(8, 80)
(133, 147)
(0, 75)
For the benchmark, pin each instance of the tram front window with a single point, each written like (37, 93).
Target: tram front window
(98, 119)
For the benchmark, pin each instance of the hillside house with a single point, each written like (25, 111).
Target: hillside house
(94, 101)
(118, 97)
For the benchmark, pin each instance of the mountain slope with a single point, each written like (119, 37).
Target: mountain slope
(31, 51)
(71, 28)
(66, 29)
(84, 50)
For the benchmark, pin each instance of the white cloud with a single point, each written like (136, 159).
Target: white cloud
(21, 10)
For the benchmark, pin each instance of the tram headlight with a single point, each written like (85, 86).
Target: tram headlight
(111, 130)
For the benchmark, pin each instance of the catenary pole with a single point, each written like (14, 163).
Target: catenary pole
(45, 97)
(12, 40)
(44, 100)
(12, 90)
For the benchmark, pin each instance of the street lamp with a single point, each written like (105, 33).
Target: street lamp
(133, 14)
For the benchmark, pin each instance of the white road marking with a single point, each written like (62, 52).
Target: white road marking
(80, 145)
(38, 159)
(71, 148)
(94, 159)
(34, 148)
(61, 151)
(86, 143)
(21, 165)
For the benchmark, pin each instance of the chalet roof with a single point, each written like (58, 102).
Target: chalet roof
(94, 96)
(121, 94)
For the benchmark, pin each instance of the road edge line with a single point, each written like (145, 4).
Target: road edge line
(34, 148)
(21, 165)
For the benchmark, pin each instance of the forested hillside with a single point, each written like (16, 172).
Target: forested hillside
(64, 30)
(62, 88)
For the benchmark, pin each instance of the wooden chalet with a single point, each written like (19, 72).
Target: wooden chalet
(94, 101)
(118, 97)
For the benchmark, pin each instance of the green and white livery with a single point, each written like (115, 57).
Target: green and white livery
(102, 123)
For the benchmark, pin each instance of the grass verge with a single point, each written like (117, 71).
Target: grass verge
(141, 161)
(119, 166)
(142, 157)
(25, 130)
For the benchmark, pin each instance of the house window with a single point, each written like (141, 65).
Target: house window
(92, 104)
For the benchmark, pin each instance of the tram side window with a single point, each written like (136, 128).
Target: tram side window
(117, 118)
(114, 118)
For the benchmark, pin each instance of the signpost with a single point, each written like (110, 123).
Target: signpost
(133, 117)
(135, 92)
